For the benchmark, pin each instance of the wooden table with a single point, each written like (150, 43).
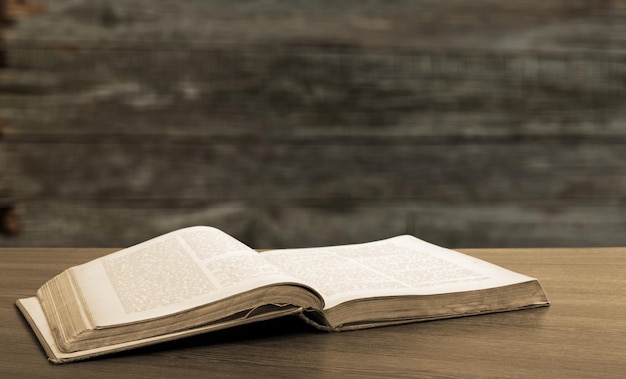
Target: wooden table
(582, 335)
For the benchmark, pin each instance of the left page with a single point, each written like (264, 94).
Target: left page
(170, 274)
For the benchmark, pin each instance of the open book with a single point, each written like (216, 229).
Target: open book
(199, 279)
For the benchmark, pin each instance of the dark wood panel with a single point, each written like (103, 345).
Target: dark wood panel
(475, 123)
(331, 173)
(312, 90)
(82, 223)
(401, 22)
(5, 188)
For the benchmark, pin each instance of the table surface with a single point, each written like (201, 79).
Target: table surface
(581, 335)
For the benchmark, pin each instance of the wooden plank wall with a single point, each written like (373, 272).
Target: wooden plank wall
(469, 124)
(11, 11)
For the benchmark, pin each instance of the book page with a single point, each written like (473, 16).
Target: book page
(397, 266)
(171, 273)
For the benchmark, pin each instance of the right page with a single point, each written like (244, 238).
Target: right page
(398, 266)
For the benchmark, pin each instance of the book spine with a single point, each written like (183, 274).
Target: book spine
(316, 319)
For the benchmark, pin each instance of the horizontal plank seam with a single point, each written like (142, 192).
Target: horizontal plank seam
(340, 139)
(260, 202)
(308, 46)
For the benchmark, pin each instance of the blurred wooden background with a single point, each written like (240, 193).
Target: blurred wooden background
(299, 123)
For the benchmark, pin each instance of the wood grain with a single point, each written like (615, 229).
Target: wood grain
(580, 335)
(467, 124)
